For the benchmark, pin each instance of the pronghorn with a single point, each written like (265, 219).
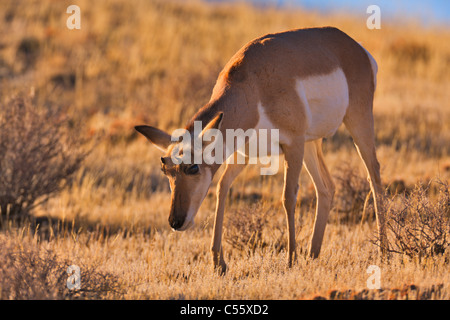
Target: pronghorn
(304, 82)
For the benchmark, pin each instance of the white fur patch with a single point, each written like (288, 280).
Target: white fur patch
(265, 123)
(273, 146)
(373, 64)
(326, 99)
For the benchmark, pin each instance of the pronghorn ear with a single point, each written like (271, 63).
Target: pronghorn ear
(214, 123)
(159, 138)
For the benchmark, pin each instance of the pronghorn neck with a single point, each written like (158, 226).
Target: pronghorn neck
(229, 102)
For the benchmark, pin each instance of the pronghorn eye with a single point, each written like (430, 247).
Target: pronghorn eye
(163, 162)
(192, 169)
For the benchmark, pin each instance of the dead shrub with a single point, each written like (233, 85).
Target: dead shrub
(38, 155)
(28, 52)
(245, 229)
(351, 192)
(29, 272)
(418, 224)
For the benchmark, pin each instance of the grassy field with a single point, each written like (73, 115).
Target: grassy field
(155, 63)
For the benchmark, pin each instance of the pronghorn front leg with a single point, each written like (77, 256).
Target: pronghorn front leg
(293, 160)
(230, 173)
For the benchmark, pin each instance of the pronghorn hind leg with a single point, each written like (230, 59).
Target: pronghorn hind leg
(293, 161)
(324, 186)
(361, 128)
(223, 186)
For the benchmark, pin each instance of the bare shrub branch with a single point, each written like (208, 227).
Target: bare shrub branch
(418, 224)
(351, 192)
(30, 272)
(38, 155)
(244, 229)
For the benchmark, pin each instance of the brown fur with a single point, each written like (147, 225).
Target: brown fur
(265, 69)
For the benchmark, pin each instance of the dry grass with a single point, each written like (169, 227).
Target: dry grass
(155, 62)
(31, 271)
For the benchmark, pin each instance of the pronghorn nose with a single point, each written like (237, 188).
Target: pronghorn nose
(176, 223)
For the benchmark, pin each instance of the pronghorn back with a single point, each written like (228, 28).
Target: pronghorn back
(295, 75)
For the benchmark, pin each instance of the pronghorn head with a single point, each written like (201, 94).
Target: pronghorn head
(189, 182)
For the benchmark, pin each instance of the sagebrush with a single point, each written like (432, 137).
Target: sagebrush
(39, 153)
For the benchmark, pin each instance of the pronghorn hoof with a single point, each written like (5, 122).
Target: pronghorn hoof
(313, 254)
(221, 269)
(292, 259)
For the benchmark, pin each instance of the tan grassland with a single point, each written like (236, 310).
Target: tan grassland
(155, 62)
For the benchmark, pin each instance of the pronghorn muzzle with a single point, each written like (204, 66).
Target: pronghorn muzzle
(176, 222)
(179, 209)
